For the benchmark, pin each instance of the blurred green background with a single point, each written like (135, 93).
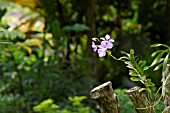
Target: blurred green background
(50, 66)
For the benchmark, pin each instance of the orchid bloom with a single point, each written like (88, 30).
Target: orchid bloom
(105, 43)
(94, 47)
(102, 51)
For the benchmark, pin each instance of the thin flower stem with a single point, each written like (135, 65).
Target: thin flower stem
(112, 55)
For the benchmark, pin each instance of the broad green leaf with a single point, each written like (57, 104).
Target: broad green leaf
(165, 62)
(134, 79)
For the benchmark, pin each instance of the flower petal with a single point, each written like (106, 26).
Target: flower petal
(109, 45)
(94, 46)
(94, 39)
(104, 43)
(111, 40)
(102, 52)
(107, 37)
(102, 38)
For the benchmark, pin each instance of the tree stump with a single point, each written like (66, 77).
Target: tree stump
(140, 101)
(106, 98)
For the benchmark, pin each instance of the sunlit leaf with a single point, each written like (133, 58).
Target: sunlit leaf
(134, 79)
(155, 53)
(33, 42)
(157, 59)
(145, 68)
(156, 45)
(150, 83)
(127, 54)
(123, 58)
(142, 89)
(142, 63)
(132, 73)
(158, 67)
(132, 51)
(165, 62)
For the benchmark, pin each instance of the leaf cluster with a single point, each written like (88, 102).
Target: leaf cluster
(161, 57)
(137, 68)
(76, 106)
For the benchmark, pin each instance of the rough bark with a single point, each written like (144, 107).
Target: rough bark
(166, 88)
(106, 98)
(140, 101)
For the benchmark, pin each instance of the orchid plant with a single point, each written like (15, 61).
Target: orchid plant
(137, 68)
(105, 44)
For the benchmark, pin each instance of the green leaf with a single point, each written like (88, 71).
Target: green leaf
(2, 12)
(165, 62)
(142, 63)
(165, 46)
(156, 45)
(132, 51)
(157, 59)
(155, 53)
(134, 79)
(142, 89)
(123, 58)
(132, 73)
(123, 52)
(158, 67)
(56, 30)
(145, 68)
(150, 83)
(132, 54)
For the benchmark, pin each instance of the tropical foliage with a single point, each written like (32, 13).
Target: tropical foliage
(46, 56)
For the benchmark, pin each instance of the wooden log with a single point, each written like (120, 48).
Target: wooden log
(106, 98)
(140, 101)
(166, 89)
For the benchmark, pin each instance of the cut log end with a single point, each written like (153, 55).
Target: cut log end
(106, 98)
